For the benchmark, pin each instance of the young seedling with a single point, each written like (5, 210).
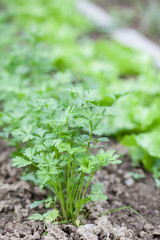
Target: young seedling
(136, 176)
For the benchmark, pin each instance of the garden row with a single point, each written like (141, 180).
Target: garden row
(57, 85)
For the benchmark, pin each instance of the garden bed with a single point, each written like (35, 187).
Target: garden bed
(122, 190)
(48, 126)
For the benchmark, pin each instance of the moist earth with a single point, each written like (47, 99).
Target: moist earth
(122, 190)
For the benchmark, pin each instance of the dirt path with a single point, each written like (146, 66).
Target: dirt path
(134, 14)
(121, 188)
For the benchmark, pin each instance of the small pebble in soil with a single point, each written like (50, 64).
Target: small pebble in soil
(90, 227)
(54, 232)
(2, 205)
(156, 212)
(86, 233)
(148, 227)
(129, 182)
(142, 234)
(156, 231)
(36, 235)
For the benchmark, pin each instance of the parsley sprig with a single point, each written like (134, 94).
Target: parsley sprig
(55, 141)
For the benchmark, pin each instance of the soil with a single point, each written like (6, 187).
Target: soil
(122, 190)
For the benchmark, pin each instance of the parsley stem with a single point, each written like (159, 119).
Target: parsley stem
(84, 192)
(68, 183)
(80, 187)
(90, 122)
(61, 200)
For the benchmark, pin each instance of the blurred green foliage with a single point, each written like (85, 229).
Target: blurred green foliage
(46, 47)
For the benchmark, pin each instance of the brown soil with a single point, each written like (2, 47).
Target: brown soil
(121, 188)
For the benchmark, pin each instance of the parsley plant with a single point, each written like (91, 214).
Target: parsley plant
(54, 141)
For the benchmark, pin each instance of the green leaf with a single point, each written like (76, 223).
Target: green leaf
(150, 142)
(96, 194)
(97, 187)
(36, 216)
(36, 203)
(86, 95)
(43, 175)
(103, 139)
(50, 141)
(103, 158)
(24, 133)
(50, 216)
(136, 176)
(86, 165)
(76, 150)
(29, 153)
(49, 202)
(64, 147)
(136, 152)
(20, 162)
(41, 132)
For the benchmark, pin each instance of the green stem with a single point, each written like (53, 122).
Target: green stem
(61, 201)
(90, 122)
(68, 184)
(97, 124)
(48, 111)
(80, 191)
(92, 148)
(75, 191)
(71, 183)
(78, 195)
(121, 208)
(35, 165)
(89, 210)
(84, 192)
